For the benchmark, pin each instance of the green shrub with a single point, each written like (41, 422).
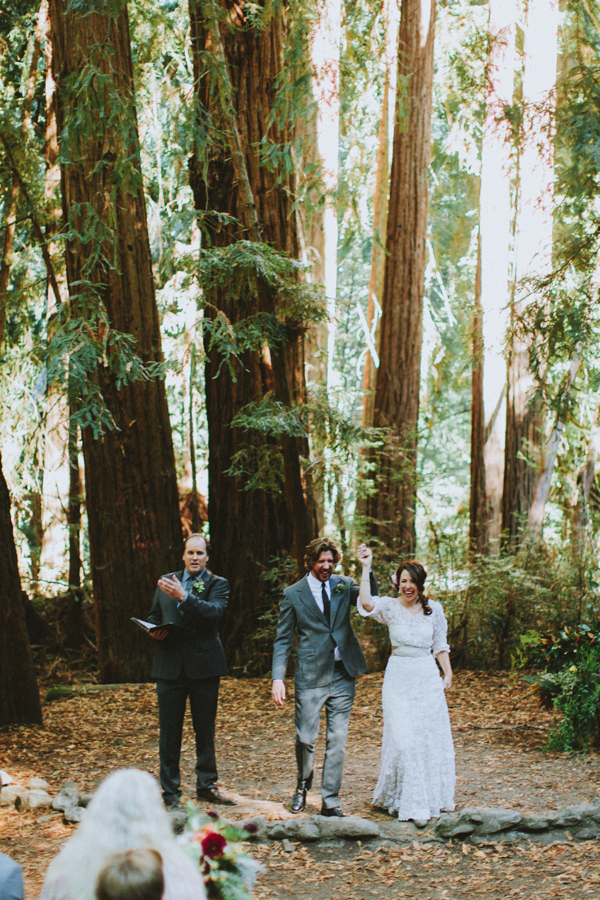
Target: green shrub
(494, 601)
(570, 682)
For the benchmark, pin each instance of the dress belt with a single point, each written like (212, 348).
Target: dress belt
(407, 650)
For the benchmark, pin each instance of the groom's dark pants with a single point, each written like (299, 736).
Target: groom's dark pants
(172, 695)
(337, 698)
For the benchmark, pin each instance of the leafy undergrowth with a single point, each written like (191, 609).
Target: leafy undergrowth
(499, 732)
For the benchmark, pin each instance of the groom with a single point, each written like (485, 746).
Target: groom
(329, 658)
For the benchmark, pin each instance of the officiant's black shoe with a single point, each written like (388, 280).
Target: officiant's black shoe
(333, 811)
(299, 800)
(173, 803)
(214, 795)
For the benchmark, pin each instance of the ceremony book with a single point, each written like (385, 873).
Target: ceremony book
(171, 627)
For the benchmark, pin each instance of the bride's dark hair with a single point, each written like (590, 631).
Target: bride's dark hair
(418, 575)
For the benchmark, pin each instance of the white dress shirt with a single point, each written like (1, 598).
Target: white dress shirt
(316, 590)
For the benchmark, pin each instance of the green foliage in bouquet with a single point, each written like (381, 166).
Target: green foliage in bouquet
(229, 871)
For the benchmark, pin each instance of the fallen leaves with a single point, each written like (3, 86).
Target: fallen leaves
(499, 731)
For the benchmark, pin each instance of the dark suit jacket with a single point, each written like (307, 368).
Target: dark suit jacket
(197, 650)
(316, 639)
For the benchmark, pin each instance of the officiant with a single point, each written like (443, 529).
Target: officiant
(189, 663)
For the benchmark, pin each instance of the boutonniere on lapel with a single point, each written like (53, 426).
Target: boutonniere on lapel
(341, 587)
(198, 586)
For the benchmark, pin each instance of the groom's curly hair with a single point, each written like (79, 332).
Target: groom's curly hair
(317, 546)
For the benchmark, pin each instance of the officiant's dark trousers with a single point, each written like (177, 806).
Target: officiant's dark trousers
(172, 695)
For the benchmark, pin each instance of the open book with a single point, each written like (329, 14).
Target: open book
(171, 627)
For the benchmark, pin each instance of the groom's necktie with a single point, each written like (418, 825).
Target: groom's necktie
(326, 603)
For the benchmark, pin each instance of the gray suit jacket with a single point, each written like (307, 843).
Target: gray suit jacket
(316, 639)
(197, 650)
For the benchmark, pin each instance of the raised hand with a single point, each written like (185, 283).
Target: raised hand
(365, 556)
(172, 587)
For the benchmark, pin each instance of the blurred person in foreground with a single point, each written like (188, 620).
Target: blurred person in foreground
(132, 875)
(11, 875)
(125, 813)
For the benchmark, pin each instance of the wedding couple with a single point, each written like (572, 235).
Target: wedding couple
(417, 768)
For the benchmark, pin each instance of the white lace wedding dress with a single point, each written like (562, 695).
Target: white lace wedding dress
(417, 774)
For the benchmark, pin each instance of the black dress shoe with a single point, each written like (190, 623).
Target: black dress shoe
(214, 795)
(174, 804)
(299, 800)
(332, 811)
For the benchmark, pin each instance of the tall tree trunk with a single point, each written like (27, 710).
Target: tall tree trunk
(131, 489)
(496, 226)
(19, 696)
(378, 255)
(318, 227)
(585, 481)
(477, 506)
(248, 527)
(535, 518)
(392, 506)
(56, 469)
(533, 241)
(380, 211)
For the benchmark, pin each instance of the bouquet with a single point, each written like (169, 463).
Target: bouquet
(229, 872)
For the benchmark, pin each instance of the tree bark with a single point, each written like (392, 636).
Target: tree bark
(392, 506)
(249, 528)
(542, 489)
(496, 220)
(131, 489)
(478, 506)
(533, 240)
(380, 211)
(19, 696)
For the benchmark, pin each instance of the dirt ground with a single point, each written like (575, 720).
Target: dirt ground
(499, 732)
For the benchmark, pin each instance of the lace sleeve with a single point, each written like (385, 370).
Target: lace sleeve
(440, 629)
(378, 612)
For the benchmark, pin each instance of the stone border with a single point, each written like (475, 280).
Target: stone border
(472, 825)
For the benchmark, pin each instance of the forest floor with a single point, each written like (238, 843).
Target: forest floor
(499, 733)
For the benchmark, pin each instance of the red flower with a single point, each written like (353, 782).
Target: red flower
(213, 844)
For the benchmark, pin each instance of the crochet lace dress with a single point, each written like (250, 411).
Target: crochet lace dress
(417, 774)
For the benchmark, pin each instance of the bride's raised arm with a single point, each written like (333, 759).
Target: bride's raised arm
(365, 556)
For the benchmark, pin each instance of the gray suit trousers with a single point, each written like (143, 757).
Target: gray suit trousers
(337, 698)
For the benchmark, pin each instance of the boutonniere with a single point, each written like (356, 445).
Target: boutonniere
(198, 586)
(341, 587)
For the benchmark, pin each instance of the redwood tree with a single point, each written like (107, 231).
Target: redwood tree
(255, 517)
(392, 505)
(131, 489)
(19, 696)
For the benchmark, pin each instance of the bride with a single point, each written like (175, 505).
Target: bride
(417, 775)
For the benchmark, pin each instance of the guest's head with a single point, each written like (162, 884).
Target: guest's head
(320, 558)
(132, 875)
